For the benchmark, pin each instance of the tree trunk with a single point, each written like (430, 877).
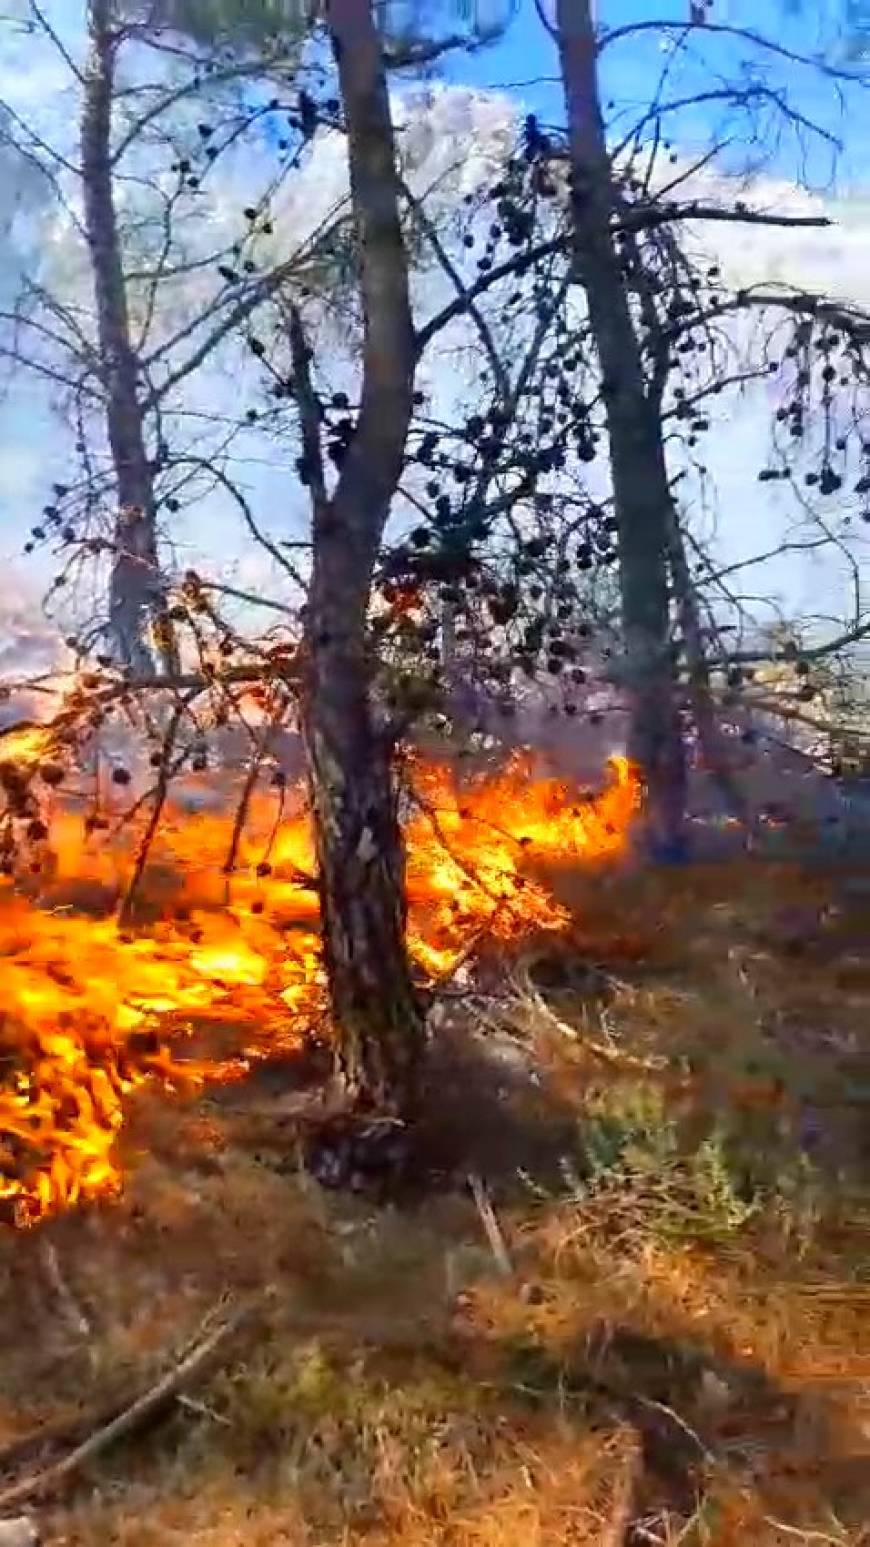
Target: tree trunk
(136, 596)
(378, 1019)
(640, 481)
(713, 744)
(361, 872)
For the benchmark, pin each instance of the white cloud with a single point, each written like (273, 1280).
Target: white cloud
(827, 259)
(451, 140)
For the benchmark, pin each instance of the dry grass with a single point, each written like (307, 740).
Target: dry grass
(682, 1355)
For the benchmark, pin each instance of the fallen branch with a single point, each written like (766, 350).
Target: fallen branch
(68, 1429)
(139, 1413)
(607, 1054)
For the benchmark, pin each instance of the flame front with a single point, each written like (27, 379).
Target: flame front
(91, 1012)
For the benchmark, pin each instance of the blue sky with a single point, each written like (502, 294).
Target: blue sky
(815, 28)
(525, 61)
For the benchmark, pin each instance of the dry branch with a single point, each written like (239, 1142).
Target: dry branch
(141, 1411)
(125, 910)
(491, 1226)
(67, 1429)
(607, 1054)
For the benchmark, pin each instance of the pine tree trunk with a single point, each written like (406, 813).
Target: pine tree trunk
(136, 598)
(361, 869)
(377, 1017)
(642, 497)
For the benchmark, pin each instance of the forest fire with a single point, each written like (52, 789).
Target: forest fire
(92, 1010)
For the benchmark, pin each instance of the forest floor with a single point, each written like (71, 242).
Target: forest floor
(646, 1320)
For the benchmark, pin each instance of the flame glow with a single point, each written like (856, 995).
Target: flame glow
(90, 1012)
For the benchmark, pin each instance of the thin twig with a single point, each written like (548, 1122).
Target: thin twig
(68, 1305)
(242, 810)
(161, 790)
(491, 1226)
(202, 1410)
(499, 373)
(802, 1534)
(662, 1407)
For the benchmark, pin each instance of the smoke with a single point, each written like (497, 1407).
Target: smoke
(30, 650)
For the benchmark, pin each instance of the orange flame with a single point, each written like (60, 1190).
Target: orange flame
(26, 745)
(90, 1013)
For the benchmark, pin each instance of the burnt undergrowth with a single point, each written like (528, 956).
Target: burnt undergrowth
(613, 1287)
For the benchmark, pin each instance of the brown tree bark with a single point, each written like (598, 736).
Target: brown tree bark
(642, 497)
(711, 739)
(136, 596)
(377, 1016)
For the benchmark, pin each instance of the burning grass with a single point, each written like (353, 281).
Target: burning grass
(92, 1010)
(664, 1102)
(680, 1353)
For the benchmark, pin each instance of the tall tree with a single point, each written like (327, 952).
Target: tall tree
(525, 515)
(359, 846)
(137, 597)
(122, 363)
(646, 309)
(642, 497)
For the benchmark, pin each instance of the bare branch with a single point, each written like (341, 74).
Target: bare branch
(516, 265)
(500, 376)
(41, 18)
(251, 597)
(733, 95)
(680, 30)
(648, 217)
(250, 521)
(170, 99)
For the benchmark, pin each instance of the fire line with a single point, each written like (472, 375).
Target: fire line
(91, 1013)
